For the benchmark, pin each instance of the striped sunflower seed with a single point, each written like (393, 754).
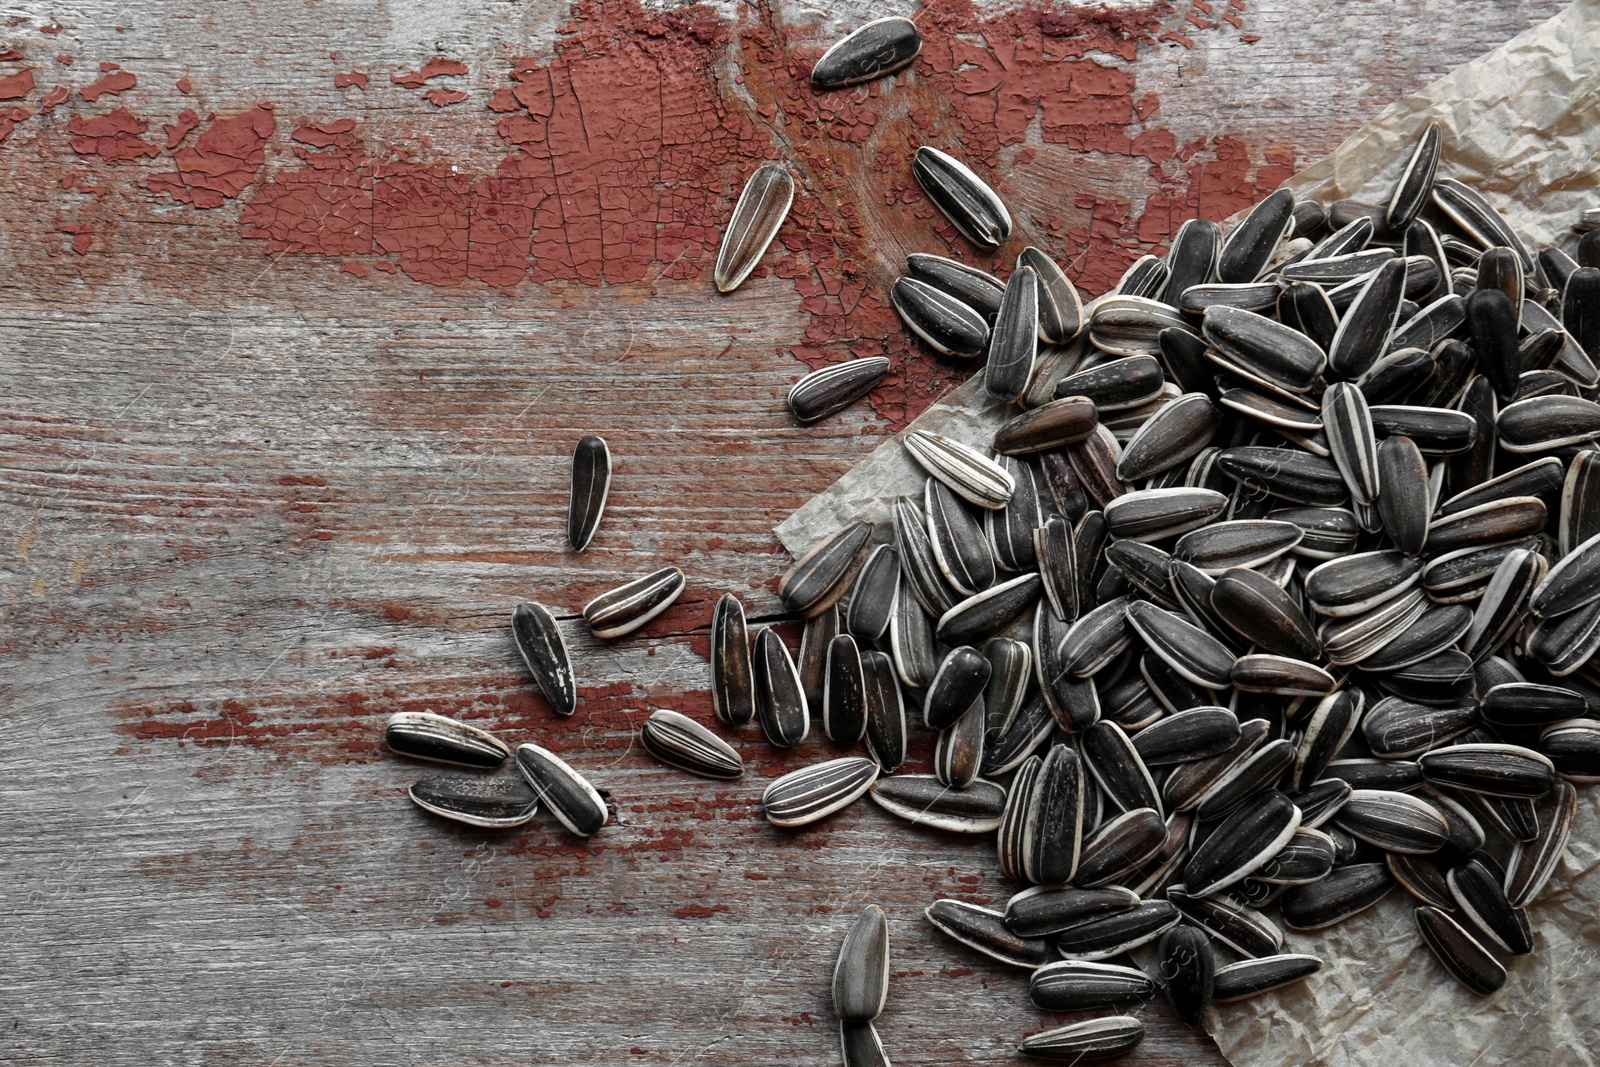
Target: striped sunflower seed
(978, 290)
(1352, 440)
(1067, 420)
(1461, 954)
(861, 974)
(1580, 497)
(974, 477)
(1060, 307)
(1364, 330)
(985, 614)
(1248, 978)
(1155, 514)
(1010, 670)
(1189, 782)
(1546, 423)
(886, 713)
(1566, 643)
(1192, 258)
(1014, 341)
(911, 641)
(1092, 1039)
(881, 47)
(1266, 673)
(1056, 552)
(565, 793)
(1572, 583)
(1052, 830)
(1354, 585)
(1187, 649)
(1347, 891)
(1534, 860)
(492, 803)
(1245, 841)
(1111, 935)
(811, 793)
(1251, 243)
(1306, 308)
(985, 931)
(962, 677)
(1028, 730)
(1326, 533)
(1381, 774)
(948, 326)
(1081, 985)
(1332, 722)
(923, 799)
(1263, 613)
(1415, 182)
(1119, 846)
(1400, 729)
(1239, 926)
(1041, 911)
(860, 1045)
(1262, 350)
(1117, 769)
(628, 607)
(757, 216)
(424, 735)
(1436, 431)
(1009, 530)
(1320, 801)
(1190, 970)
(819, 578)
(1469, 210)
(1196, 733)
(1539, 478)
(732, 679)
(1289, 473)
(1573, 747)
(1481, 900)
(681, 742)
(591, 484)
(1307, 857)
(959, 546)
(958, 753)
(844, 696)
(1117, 385)
(963, 197)
(1175, 434)
(1262, 769)
(872, 595)
(812, 660)
(923, 578)
(1503, 606)
(780, 700)
(1422, 877)
(1245, 543)
(1395, 822)
(832, 389)
(1497, 769)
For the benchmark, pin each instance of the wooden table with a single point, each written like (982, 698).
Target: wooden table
(304, 307)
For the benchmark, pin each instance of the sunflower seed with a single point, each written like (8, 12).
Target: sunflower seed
(1326, 533)
(628, 607)
(949, 326)
(1014, 340)
(812, 661)
(1395, 822)
(1330, 269)
(1364, 331)
(757, 216)
(1117, 385)
(1236, 543)
(844, 700)
(1532, 861)
(964, 198)
(1193, 653)
(1290, 473)
(1111, 935)
(1064, 421)
(1044, 910)
(1078, 985)
(1264, 614)
(881, 47)
(1573, 747)
(1060, 308)
(1189, 782)
(1381, 774)
(923, 799)
(1188, 968)
(1246, 840)
(1126, 325)
(911, 642)
(959, 546)
(1580, 309)
(1351, 440)
(1462, 576)
(492, 803)
(1546, 423)
(1566, 643)
(974, 477)
(1356, 584)
(987, 613)
(1192, 258)
(819, 578)
(1092, 1039)
(872, 595)
(1348, 640)
(815, 792)
(1460, 953)
(1345, 892)
(1571, 584)
(1497, 522)
(732, 680)
(1478, 895)
(985, 931)
(1052, 833)
(1530, 704)
(591, 482)
(1177, 432)
(681, 742)
(1467, 209)
(1307, 857)
(1247, 978)
(1306, 308)
(923, 578)
(565, 793)
(1119, 847)
(1321, 800)
(1196, 733)
(958, 753)
(1332, 722)
(1399, 729)
(860, 1045)
(1515, 817)
(1262, 349)
(424, 735)
(1055, 549)
(1436, 431)
(1415, 182)
(976, 289)
(1153, 514)
(1009, 530)
(1403, 493)
(1115, 764)
(886, 716)
(1250, 244)
(1421, 876)
(1284, 415)
(1265, 673)
(861, 974)
(1496, 769)
(961, 679)
(1580, 499)
(1011, 844)
(831, 389)
(780, 699)
(1240, 927)
(1010, 669)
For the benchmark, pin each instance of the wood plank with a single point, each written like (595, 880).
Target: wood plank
(255, 497)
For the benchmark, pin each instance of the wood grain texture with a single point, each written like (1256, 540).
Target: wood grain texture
(255, 499)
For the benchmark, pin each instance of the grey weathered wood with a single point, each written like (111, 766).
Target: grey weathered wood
(249, 507)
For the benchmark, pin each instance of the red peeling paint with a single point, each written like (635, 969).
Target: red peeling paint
(444, 97)
(354, 77)
(185, 86)
(176, 132)
(82, 235)
(10, 54)
(359, 269)
(18, 85)
(107, 67)
(223, 161)
(117, 81)
(433, 68)
(9, 119)
(66, 59)
(54, 98)
(114, 137)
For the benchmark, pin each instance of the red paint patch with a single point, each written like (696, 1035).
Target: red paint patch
(117, 81)
(176, 132)
(223, 161)
(9, 119)
(444, 97)
(18, 85)
(114, 137)
(354, 77)
(9, 54)
(54, 98)
(82, 236)
(436, 67)
(359, 269)
(185, 86)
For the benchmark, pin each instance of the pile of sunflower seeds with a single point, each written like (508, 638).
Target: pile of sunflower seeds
(1279, 592)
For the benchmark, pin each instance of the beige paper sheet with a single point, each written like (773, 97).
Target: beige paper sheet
(1522, 126)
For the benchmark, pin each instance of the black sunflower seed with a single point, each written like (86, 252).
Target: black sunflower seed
(538, 638)
(881, 47)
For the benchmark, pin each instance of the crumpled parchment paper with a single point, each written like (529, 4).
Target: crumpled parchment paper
(1522, 126)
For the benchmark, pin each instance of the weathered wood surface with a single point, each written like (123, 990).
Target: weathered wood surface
(277, 461)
